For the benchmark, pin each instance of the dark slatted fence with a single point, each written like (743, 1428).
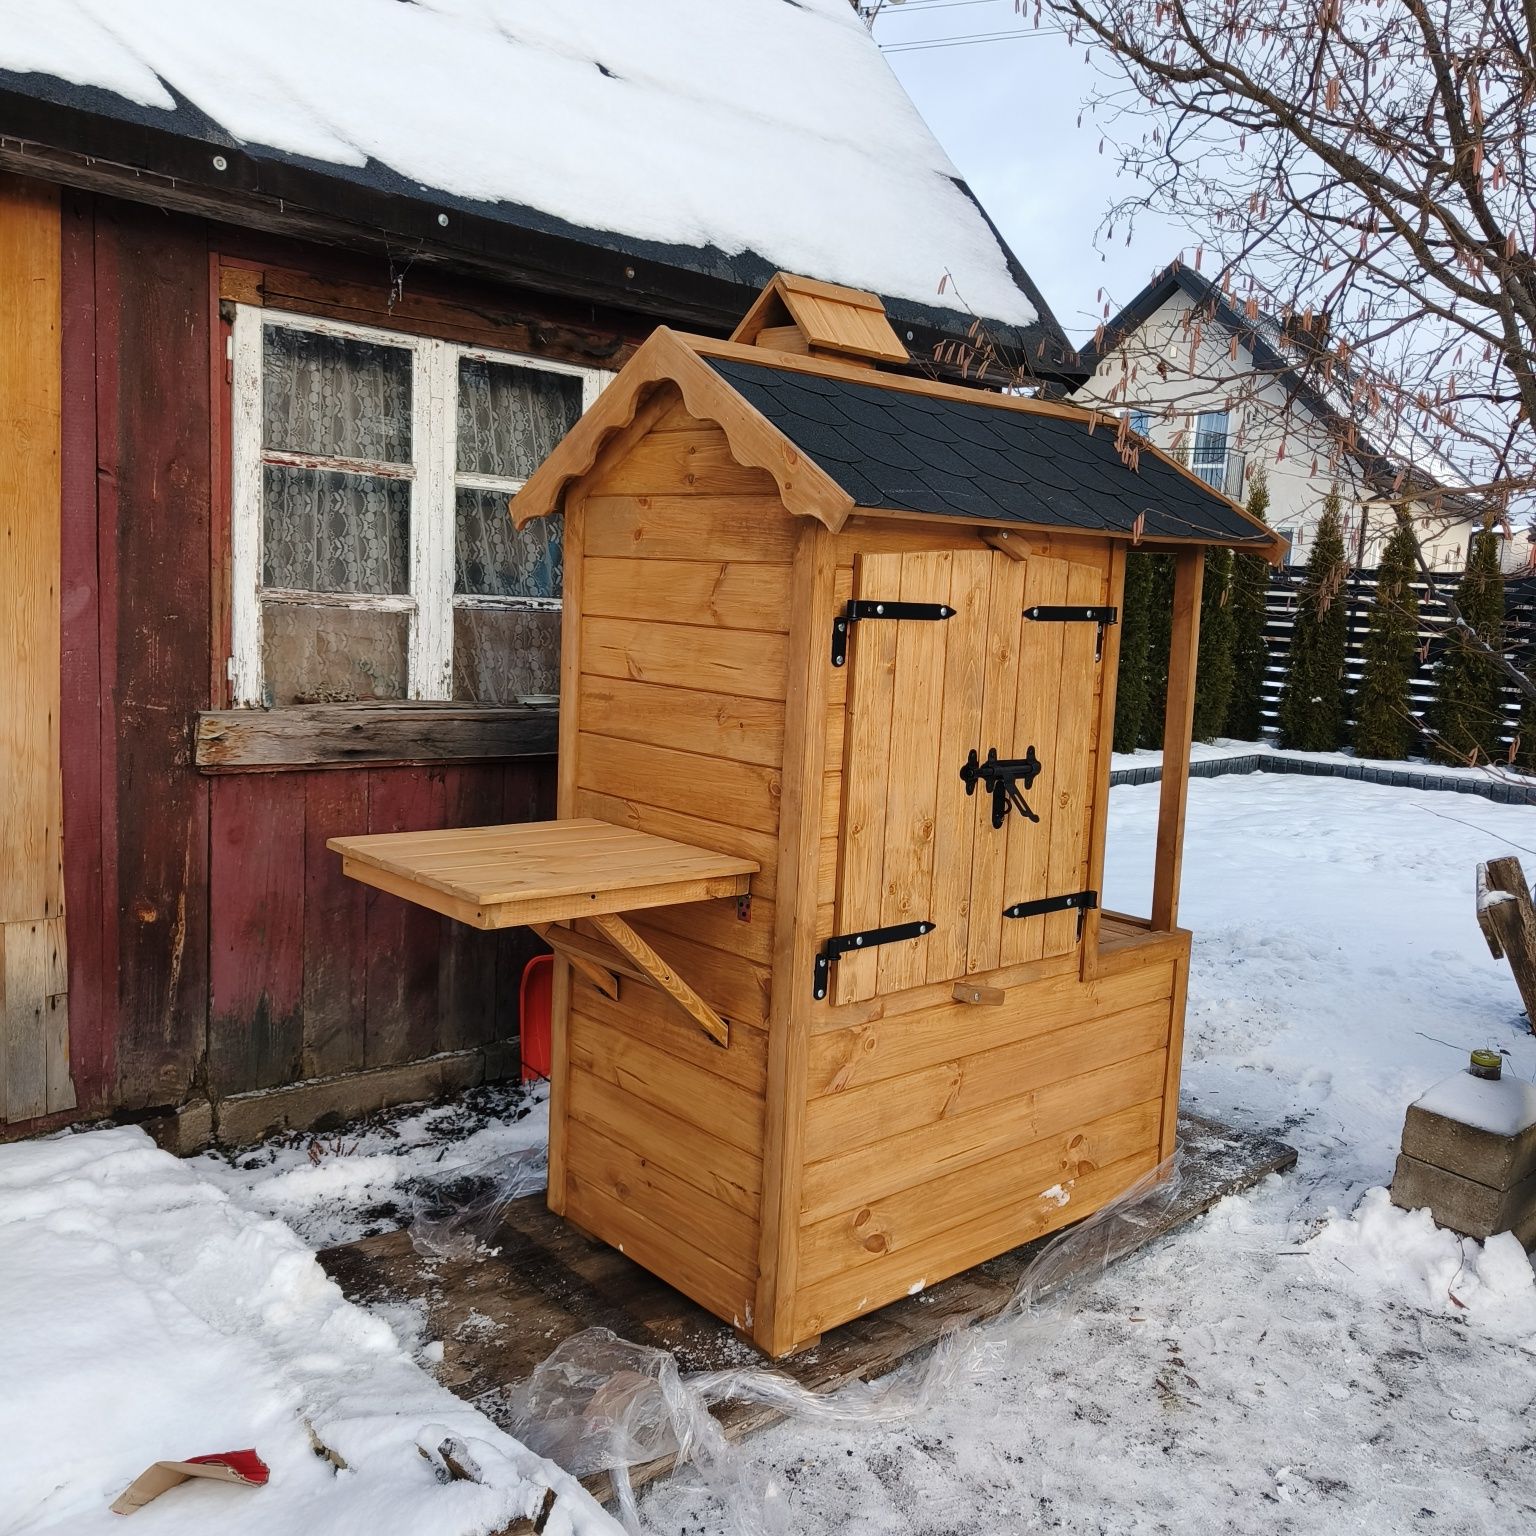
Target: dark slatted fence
(1285, 585)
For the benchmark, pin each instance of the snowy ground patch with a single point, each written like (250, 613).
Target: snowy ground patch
(148, 1317)
(373, 1176)
(1306, 1358)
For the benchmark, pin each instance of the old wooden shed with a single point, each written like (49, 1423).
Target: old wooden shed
(841, 1013)
(276, 343)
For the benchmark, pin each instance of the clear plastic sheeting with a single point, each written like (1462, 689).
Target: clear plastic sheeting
(600, 1404)
(456, 1220)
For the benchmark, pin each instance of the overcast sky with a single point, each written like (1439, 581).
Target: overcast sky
(1006, 111)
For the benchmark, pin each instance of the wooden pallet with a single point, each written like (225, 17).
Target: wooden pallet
(500, 1314)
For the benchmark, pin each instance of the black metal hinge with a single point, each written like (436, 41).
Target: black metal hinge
(1048, 613)
(846, 943)
(877, 608)
(1082, 902)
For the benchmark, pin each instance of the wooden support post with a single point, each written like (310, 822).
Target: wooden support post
(1178, 721)
(1505, 915)
(34, 1018)
(1104, 749)
(628, 942)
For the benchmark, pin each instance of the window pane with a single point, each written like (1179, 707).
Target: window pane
(494, 559)
(318, 654)
(325, 531)
(503, 654)
(510, 418)
(323, 394)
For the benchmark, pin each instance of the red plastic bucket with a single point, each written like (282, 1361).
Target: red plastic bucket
(535, 1000)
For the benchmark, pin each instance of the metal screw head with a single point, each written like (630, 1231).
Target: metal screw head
(821, 991)
(220, 163)
(442, 219)
(879, 607)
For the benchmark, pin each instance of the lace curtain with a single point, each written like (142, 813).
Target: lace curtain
(510, 419)
(328, 530)
(330, 396)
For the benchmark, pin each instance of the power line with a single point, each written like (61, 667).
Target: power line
(970, 39)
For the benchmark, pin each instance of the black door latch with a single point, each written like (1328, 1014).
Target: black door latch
(1000, 776)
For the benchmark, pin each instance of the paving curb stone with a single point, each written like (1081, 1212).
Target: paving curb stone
(1497, 790)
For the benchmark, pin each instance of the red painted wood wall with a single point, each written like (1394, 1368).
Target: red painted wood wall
(214, 947)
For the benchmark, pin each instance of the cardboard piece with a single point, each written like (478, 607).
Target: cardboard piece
(225, 1467)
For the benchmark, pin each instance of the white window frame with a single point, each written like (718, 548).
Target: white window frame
(434, 477)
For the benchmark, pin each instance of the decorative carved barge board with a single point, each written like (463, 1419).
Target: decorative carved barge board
(855, 631)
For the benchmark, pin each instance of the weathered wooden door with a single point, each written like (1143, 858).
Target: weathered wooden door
(953, 671)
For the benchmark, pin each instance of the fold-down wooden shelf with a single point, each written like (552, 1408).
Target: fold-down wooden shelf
(540, 873)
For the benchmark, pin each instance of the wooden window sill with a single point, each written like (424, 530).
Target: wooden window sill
(306, 736)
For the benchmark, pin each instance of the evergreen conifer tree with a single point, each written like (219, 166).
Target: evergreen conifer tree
(1467, 717)
(1383, 725)
(1312, 702)
(1135, 639)
(1250, 653)
(1213, 669)
(1159, 638)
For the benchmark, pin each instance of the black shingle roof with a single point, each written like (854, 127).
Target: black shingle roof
(907, 452)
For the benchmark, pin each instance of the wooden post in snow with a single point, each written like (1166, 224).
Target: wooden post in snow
(1505, 915)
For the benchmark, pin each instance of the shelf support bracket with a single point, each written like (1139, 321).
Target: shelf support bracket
(630, 944)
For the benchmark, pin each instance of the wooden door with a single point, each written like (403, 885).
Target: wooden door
(1048, 700)
(915, 696)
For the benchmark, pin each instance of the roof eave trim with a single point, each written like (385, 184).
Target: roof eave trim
(804, 487)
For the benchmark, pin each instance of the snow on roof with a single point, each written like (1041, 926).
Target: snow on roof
(771, 127)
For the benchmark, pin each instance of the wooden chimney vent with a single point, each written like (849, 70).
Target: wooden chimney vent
(798, 314)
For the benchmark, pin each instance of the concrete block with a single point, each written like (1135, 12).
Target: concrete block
(1464, 1205)
(1496, 1161)
(184, 1130)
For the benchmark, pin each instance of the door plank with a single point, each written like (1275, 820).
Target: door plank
(999, 705)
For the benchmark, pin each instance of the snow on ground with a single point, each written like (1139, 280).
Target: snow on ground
(375, 1176)
(144, 1316)
(1306, 1358)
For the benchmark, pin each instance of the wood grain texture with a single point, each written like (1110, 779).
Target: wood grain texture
(1018, 1178)
(823, 1305)
(794, 943)
(155, 498)
(736, 662)
(256, 933)
(34, 1010)
(547, 871)
(1178, 723)
(1098, 820)
(628, 942)
(92, 982)
(717, 594)
(341, 735)
(890, 1046)
(952, 1089)
(955, 1142)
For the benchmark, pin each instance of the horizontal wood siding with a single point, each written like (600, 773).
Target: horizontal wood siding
(679, 731)
(938, 1137)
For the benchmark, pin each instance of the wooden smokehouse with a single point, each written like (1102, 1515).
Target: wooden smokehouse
(838, 1012)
